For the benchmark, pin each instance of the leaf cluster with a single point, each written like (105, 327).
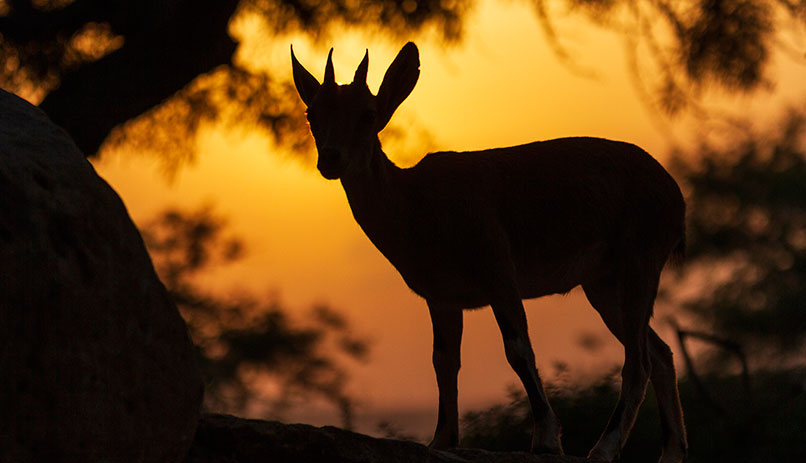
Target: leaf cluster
(747, 240)
(675, 50)
(94, 65)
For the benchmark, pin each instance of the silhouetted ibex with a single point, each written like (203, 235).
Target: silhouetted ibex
(496, 226)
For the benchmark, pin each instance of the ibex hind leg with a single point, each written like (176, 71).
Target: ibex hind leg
(511, 318)
(624, 300)
(664, 381)
(605, 296)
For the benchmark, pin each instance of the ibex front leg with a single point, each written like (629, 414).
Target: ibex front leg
(447, 323)
(511, 320)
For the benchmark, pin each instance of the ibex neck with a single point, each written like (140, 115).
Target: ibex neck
(371, 182)
(375, 196)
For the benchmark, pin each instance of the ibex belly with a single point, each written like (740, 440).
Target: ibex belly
(465, 271)
(446, 276)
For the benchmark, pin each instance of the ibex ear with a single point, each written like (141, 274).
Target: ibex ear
(398, 82)
(306, 84)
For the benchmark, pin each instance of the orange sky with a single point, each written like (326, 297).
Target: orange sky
(500, 86)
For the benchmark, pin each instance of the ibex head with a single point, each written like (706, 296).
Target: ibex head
(345, 119)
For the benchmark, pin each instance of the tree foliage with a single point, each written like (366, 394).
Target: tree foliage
(256, 358)
(96, 64)
(158, 69)
(747, 242)
(676, 50)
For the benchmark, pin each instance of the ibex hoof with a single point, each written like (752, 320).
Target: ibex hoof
(600, 456)
(443, 443)
(674, 455)
(546, 437)
(547, 450)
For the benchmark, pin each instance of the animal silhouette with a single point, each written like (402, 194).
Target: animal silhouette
(496, 226)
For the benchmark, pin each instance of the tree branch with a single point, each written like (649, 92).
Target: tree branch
(143, 73)
(725, 344)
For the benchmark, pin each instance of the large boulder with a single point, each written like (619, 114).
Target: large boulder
(228, 439)
(95, 361)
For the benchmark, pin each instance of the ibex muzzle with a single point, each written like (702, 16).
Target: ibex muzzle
(330, 163)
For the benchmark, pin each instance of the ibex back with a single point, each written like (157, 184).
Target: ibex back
(493, 227)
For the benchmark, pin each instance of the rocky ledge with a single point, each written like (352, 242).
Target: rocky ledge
(229, 439)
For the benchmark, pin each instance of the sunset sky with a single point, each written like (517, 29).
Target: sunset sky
(500, 85)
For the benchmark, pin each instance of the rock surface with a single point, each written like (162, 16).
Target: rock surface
(228, 439)
(95, 361)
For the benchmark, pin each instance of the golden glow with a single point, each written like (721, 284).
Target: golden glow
(500, 86)
(92, 42)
